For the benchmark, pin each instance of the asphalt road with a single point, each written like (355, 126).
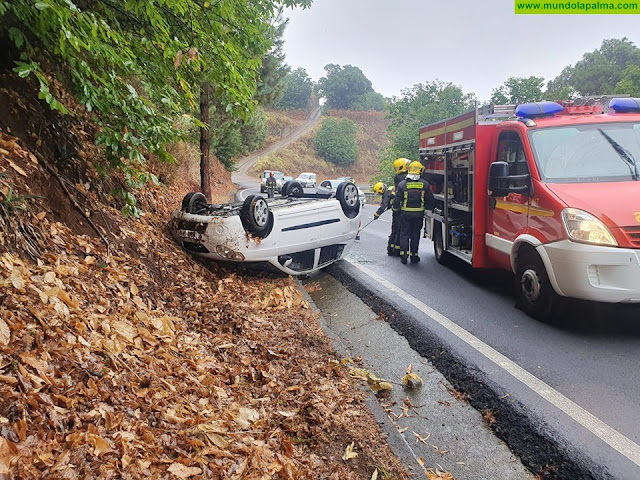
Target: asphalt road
(577, 381)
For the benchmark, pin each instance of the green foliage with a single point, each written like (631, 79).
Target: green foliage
(297, 90)
(518, 90)
(370, 101)
(630, 81)
(419, 105)
(600, 71)
(335, 141)
(560, 88)
(273, 70)
(343, 87)
(254, 131)
(137, 65)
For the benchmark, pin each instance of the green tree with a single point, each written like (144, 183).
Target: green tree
(138, 65)
(273, 70)
(335, 141)
(344, 86)
(518, 90)
(254, 131)
(561, 87)
(297, 90)
(630, 81)
(599, 72)
(370, 101)
(419, 105)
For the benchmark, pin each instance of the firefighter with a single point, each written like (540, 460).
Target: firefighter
(400, 166)
(413, 195)
(271, 184)
(386, 203)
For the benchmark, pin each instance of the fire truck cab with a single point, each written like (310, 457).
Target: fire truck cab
(550, 191)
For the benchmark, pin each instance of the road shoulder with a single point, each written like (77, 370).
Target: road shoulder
(432, 424)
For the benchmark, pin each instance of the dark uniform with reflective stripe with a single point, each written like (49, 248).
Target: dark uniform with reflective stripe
(412, 197)
(394, 238)
(271, 185)
(387, 202)
(398, 178)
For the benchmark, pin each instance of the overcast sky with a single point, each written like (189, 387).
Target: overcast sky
(476, 44)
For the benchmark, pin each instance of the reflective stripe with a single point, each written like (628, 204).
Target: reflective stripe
(413, 186)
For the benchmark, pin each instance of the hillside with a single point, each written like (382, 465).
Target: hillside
(301, 157)
(121, 356)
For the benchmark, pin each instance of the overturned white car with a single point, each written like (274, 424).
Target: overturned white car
(296, 233)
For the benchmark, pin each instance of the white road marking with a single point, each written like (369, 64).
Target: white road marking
(242, 193)
(604, 432)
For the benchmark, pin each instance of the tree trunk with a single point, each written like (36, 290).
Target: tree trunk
(205, 158)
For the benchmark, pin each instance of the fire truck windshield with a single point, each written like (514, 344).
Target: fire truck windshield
(590, 153)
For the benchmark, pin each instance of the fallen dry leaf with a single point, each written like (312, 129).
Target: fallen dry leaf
(5, 333)
(182, 471)
(349, 453)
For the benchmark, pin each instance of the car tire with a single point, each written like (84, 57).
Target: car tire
(534, 292)
(442, 256)
(193, 202)
(347, 195)
(284, 187)
(294, 189)
(256, 217)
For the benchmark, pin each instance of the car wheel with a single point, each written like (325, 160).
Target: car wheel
(441, 255)
(347, 194)
(256, 217)
(194, 202)
(283, 189)
(294, 189)
(534, 292)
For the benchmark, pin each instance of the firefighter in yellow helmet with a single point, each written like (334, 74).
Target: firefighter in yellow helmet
(387, 200)
(400, 166)
(413, 195)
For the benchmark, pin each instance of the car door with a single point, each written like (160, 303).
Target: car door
(508, 215)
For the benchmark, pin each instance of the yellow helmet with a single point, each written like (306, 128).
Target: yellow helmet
(400, 165)
(415, 168)
(379, 188)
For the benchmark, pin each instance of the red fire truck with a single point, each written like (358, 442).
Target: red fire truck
(550, 191)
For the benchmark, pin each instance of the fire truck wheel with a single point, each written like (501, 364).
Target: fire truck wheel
(534, 292)
(438, 245)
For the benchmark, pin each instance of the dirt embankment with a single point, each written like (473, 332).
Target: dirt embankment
(300, 156)
(123, 357)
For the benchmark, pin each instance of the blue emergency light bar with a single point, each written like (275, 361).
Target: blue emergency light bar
(625, 105)
(538, 109)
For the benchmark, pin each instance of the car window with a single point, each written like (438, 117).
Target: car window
(325, 184)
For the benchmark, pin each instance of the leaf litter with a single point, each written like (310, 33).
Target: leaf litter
(141, 362)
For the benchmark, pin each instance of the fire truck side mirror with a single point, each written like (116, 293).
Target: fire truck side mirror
(501, 183)
(499, 179)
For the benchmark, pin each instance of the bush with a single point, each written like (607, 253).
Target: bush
(336, 143)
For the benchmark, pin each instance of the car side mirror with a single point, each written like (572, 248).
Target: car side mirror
(502, 184)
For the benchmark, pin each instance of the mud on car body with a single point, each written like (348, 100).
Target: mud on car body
(296, 233)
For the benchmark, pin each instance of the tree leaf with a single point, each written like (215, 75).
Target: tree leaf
(349, 453)
(5, 333)
(182, 471)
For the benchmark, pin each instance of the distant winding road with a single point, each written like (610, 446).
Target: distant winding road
(241, 176)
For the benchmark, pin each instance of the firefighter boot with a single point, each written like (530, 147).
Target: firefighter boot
(415, 258)
(403, 259)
